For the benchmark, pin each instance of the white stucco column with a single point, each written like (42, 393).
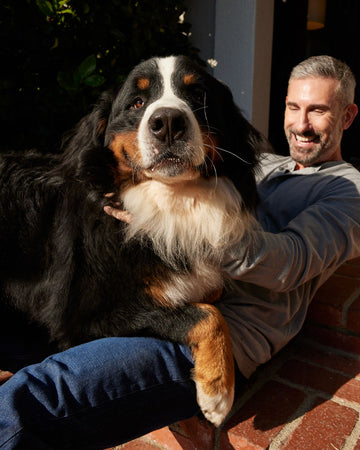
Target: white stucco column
(237, 34)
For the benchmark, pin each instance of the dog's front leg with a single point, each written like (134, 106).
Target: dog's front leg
(204, 330)
(209, 342)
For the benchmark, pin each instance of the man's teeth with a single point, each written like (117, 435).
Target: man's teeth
(304, 139)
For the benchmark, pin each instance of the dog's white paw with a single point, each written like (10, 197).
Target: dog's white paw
(215, 408)
(213, 372)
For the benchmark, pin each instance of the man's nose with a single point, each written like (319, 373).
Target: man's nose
(303, 122)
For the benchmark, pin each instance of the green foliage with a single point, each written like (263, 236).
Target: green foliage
(74, 81)
(55, 10)
(57, 56)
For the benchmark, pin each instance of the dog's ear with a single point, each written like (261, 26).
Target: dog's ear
(247, 144)
(85, 155)
(241, 145)
(90, 130)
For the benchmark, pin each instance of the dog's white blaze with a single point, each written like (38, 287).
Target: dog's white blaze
(167, 68)
(168, 99)
(197, 221)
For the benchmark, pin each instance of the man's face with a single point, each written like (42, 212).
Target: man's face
(314, 121)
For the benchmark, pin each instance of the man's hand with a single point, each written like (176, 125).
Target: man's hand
(115, 212)
(119, 214)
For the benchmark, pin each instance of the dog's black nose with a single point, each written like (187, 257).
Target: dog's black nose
(168, 124)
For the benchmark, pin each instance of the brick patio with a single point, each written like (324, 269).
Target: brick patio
(307, 397)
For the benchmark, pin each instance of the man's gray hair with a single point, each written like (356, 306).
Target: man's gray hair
(328, 67)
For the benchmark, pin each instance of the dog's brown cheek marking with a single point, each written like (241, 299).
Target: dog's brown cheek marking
(211, 143)
(210, 344)
(121, 145)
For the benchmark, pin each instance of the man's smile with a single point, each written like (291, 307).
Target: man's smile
(305, 141)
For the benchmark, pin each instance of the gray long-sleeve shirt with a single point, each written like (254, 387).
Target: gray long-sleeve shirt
(310, 222)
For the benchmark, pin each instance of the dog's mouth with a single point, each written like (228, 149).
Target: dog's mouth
(172, 167)
(171, 162)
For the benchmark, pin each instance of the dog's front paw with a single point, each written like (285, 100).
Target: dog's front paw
(215, 407)
(213, 372)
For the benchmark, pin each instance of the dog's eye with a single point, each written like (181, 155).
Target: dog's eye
(138, 103)
(198, 95)
(200, 98)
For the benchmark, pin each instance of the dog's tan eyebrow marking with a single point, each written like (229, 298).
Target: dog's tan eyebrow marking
(143, 83)
(189, 79)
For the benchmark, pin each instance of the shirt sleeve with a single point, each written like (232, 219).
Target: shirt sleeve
(322, 236)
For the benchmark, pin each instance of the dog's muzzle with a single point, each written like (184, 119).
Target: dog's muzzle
(174, 147)
(168, 125)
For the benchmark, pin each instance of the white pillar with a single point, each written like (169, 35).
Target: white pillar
(238, 35)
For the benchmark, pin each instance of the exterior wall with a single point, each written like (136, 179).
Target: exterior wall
(237, 34)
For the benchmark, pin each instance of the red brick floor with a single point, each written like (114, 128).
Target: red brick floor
(307, 397)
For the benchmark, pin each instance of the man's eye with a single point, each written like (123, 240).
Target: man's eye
(138, 103)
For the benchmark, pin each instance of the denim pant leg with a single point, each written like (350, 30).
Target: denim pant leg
(97, 395)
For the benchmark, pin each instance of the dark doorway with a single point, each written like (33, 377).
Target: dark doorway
(293, 42)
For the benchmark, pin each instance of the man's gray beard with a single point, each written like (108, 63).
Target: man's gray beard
(306, 159)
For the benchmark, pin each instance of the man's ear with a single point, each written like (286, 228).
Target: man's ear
(349, 115)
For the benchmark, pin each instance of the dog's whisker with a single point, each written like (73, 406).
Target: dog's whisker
(234, 154)
(206, 118)
(215, 150)
(214, 169)
(200, 108)
(218, 149)
(211, 129)
(213, 147)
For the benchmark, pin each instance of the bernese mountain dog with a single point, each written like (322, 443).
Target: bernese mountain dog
(171, 148)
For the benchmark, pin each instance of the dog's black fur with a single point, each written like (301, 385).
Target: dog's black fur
(69, 266)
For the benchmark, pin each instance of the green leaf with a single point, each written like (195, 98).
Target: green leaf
(94, 80)
(66, 11)
(45, 7)
(67, 82)
(87, 67)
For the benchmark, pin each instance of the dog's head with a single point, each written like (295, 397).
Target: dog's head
(172, 121)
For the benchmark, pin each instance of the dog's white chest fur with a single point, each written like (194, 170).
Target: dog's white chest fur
(195, 221)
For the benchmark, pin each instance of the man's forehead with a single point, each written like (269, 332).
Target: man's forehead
(313, 90)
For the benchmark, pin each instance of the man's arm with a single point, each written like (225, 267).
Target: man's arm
(323, 236)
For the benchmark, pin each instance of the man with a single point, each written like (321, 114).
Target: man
(112, 390)
(310, 210)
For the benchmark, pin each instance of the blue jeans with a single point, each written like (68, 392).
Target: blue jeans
(97, 395)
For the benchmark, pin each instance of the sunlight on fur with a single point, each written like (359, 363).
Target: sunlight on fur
(196, 220)
(204, 280)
